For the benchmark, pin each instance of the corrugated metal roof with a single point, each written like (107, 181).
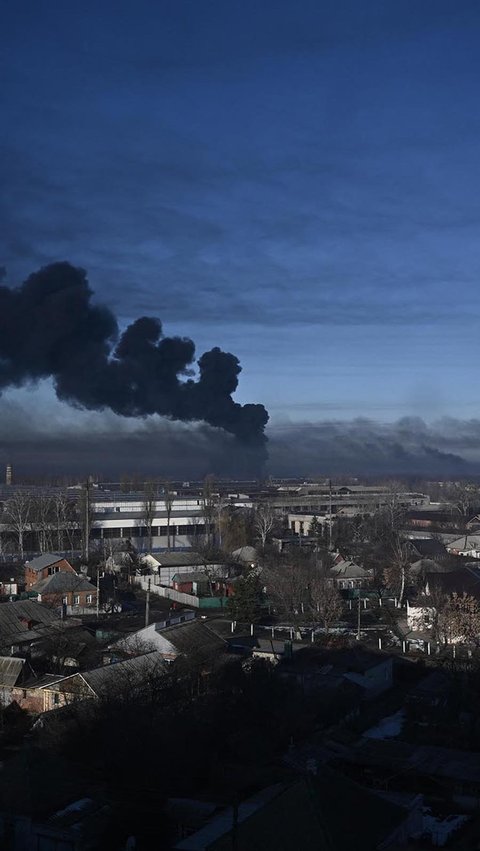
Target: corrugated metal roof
(16, 617)
(122, 675)
(10, 670)
(192, 636)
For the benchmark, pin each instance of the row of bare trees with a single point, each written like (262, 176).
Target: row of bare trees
(51, 522)
(150, 507)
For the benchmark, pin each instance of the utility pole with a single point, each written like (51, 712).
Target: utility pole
(86, 518)
(330, 514)
(98, 591)
(147, 603)
(359, 614)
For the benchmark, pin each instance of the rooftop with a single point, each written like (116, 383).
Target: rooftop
(11, 669)
(177, 559)
(62, 582)
(43, 561)
(118, 676)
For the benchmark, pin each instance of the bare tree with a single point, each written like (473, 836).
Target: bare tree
(67, 513)
(264, 521)
(326, 604)
(209, 501)
(392, 507)
(462, 496)
(459, 619)
(85, 515)
(18, 513)
(287, 588)
(237, 528)
(43, 520)
(396, 573)
(149, 509)
(168, 496)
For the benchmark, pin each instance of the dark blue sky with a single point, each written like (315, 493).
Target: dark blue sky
(297, 182)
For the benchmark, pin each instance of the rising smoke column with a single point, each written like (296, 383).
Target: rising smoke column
(50, 328)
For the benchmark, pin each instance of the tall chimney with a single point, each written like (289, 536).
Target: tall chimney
(8, 474)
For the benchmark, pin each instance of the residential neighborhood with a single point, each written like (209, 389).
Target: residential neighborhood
(262, 677)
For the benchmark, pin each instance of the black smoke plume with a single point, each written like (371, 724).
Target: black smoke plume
(50, 328)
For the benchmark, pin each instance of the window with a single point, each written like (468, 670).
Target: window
(89, 598)
(24, 693)
(65, 601)
(76, 600)
(56, 698)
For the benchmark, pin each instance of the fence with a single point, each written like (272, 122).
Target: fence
(146, 583)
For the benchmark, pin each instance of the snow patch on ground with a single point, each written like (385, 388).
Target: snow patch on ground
(388, 727)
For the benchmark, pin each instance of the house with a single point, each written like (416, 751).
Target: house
(166, 565)
(345, 574)
(274, 649)
(371, 672)
(444, 773)
(427, 548)
(191, 637)
(199, 583)
(43, 566)
(74, 592)
(308, 814)
(425, 519)
(32, 694)
(13, 671)
(24, 623)
(116, 680)
(35, 632)
(464, 580)
(9, 588)
(467, 545)
(420, 568)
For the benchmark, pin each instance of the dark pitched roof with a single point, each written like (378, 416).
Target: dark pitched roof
(62, 582)
(193, 635)
(118, 676)
(428, 565)
(178, 559)
(465, 580)
(343, 660)
(16, 617)
(196, 576)
(428, 547)
(307, 815)
(43, 561)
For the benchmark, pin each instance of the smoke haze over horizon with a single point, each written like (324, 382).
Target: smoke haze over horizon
(59, 440)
